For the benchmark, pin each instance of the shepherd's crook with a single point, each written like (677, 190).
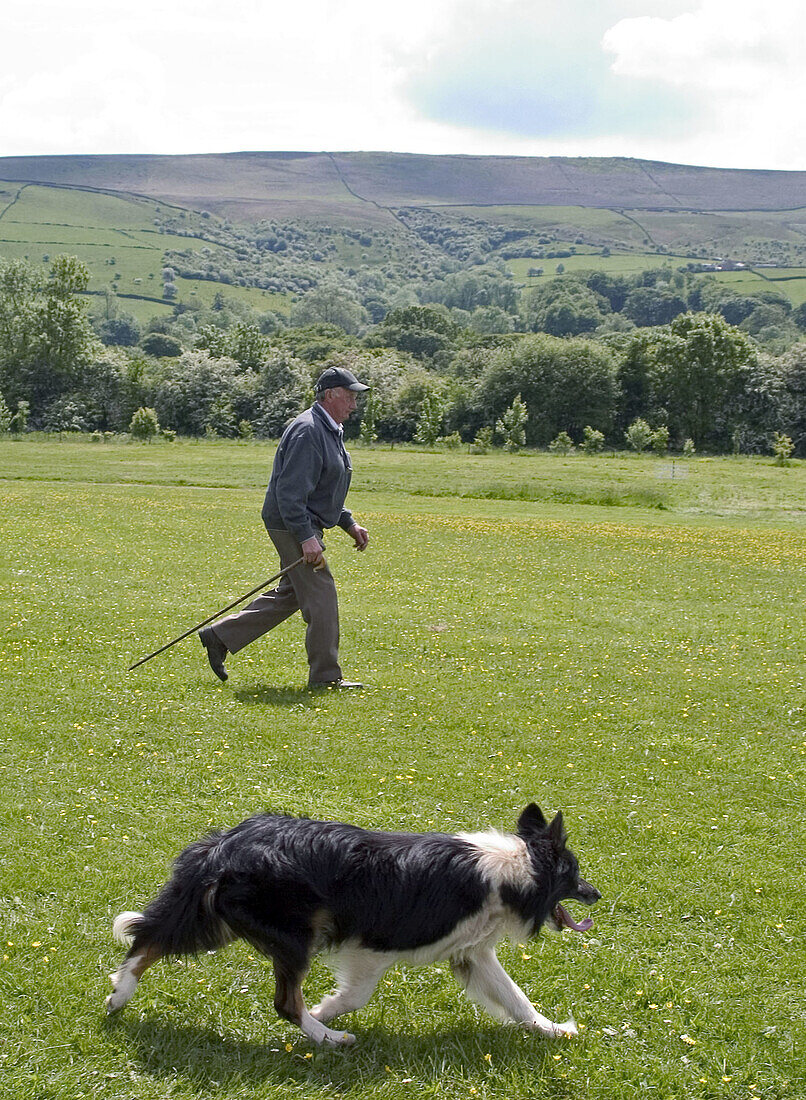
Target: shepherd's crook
(218, 614)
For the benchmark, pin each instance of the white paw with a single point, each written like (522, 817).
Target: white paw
(567, 1030)
(340, 1039)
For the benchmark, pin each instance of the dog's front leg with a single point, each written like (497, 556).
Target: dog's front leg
(486, 982)
(358, 971)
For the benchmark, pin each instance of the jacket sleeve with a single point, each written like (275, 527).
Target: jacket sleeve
(346, 519)
(302, 467)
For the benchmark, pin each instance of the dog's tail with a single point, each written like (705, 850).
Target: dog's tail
(182, 919)
(124, 926)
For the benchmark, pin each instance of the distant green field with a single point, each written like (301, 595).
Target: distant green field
(203, 290)
(624, 263)
(144, 310)
(112, 236)
(737, 489)
(749, 236)
(790, 281)
(115, 237)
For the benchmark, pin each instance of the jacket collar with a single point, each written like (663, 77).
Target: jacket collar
(327, 419)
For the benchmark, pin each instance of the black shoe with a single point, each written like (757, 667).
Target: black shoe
(216, 651)
(337, 685)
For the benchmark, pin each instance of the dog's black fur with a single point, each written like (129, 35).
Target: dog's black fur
(292, 887)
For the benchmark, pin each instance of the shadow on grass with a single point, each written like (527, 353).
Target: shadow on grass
(207, 1058)
(266, 696)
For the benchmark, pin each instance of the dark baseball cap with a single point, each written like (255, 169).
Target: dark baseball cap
(339, 376)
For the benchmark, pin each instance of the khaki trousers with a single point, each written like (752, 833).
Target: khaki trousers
(313, 592)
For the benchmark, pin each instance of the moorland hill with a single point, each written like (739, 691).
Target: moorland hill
(256, 185)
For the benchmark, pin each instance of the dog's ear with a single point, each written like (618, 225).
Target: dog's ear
(531, 821)
(557, 833)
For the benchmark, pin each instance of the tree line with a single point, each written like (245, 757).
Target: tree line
(698, 376)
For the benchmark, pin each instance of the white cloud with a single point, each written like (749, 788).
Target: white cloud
(745, 61)
(430, 76)
(93, 77)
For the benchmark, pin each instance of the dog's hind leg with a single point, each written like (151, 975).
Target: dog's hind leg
(486, 982)
(289, 1002)
(127, 976)
(358, 971)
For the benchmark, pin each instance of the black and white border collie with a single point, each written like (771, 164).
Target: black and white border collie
(292, 887)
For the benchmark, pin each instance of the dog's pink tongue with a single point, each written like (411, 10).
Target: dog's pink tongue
(569, 922)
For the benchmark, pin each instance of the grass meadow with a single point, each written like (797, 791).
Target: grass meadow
(612, 637)
(116, 238)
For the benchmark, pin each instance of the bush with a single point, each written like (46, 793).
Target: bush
(194, 389)
(512, 425)
(483, 441)
(660, 440)
(689, 450)
(432, 413)
(452, 442)
(144, 425)
(222, 420)
(161, 345)
(592, 441)
(562, 444)
(67, 414)
(368, 433)
(281, 390)
(19, 421)
(639, 435)
(121, 331)
(782, 448)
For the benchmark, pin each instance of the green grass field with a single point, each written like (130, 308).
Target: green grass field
(47, 221)
(204, 291)
(115, 236)
(594, 634)
(790, 281)
(623, 263)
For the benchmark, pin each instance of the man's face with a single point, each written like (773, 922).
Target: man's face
(339, 402)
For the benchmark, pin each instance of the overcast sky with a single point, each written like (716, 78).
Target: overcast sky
(717, 82)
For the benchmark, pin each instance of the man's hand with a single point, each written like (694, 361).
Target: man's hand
(359, 535)
(312, 552)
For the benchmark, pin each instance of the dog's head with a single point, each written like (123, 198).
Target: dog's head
(556, 871)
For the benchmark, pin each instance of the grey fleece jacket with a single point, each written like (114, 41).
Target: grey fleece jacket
(309, 479)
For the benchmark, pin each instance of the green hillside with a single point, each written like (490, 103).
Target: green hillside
(121, 239)
(265, 228)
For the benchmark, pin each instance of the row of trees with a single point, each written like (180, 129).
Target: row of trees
(486, 300)
(596, 302)
(698, 376)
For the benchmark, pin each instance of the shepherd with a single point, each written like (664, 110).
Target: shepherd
(309, 482)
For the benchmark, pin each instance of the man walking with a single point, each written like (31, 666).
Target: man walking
(309, 482)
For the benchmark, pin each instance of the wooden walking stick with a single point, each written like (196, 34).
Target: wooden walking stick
(218, 614)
